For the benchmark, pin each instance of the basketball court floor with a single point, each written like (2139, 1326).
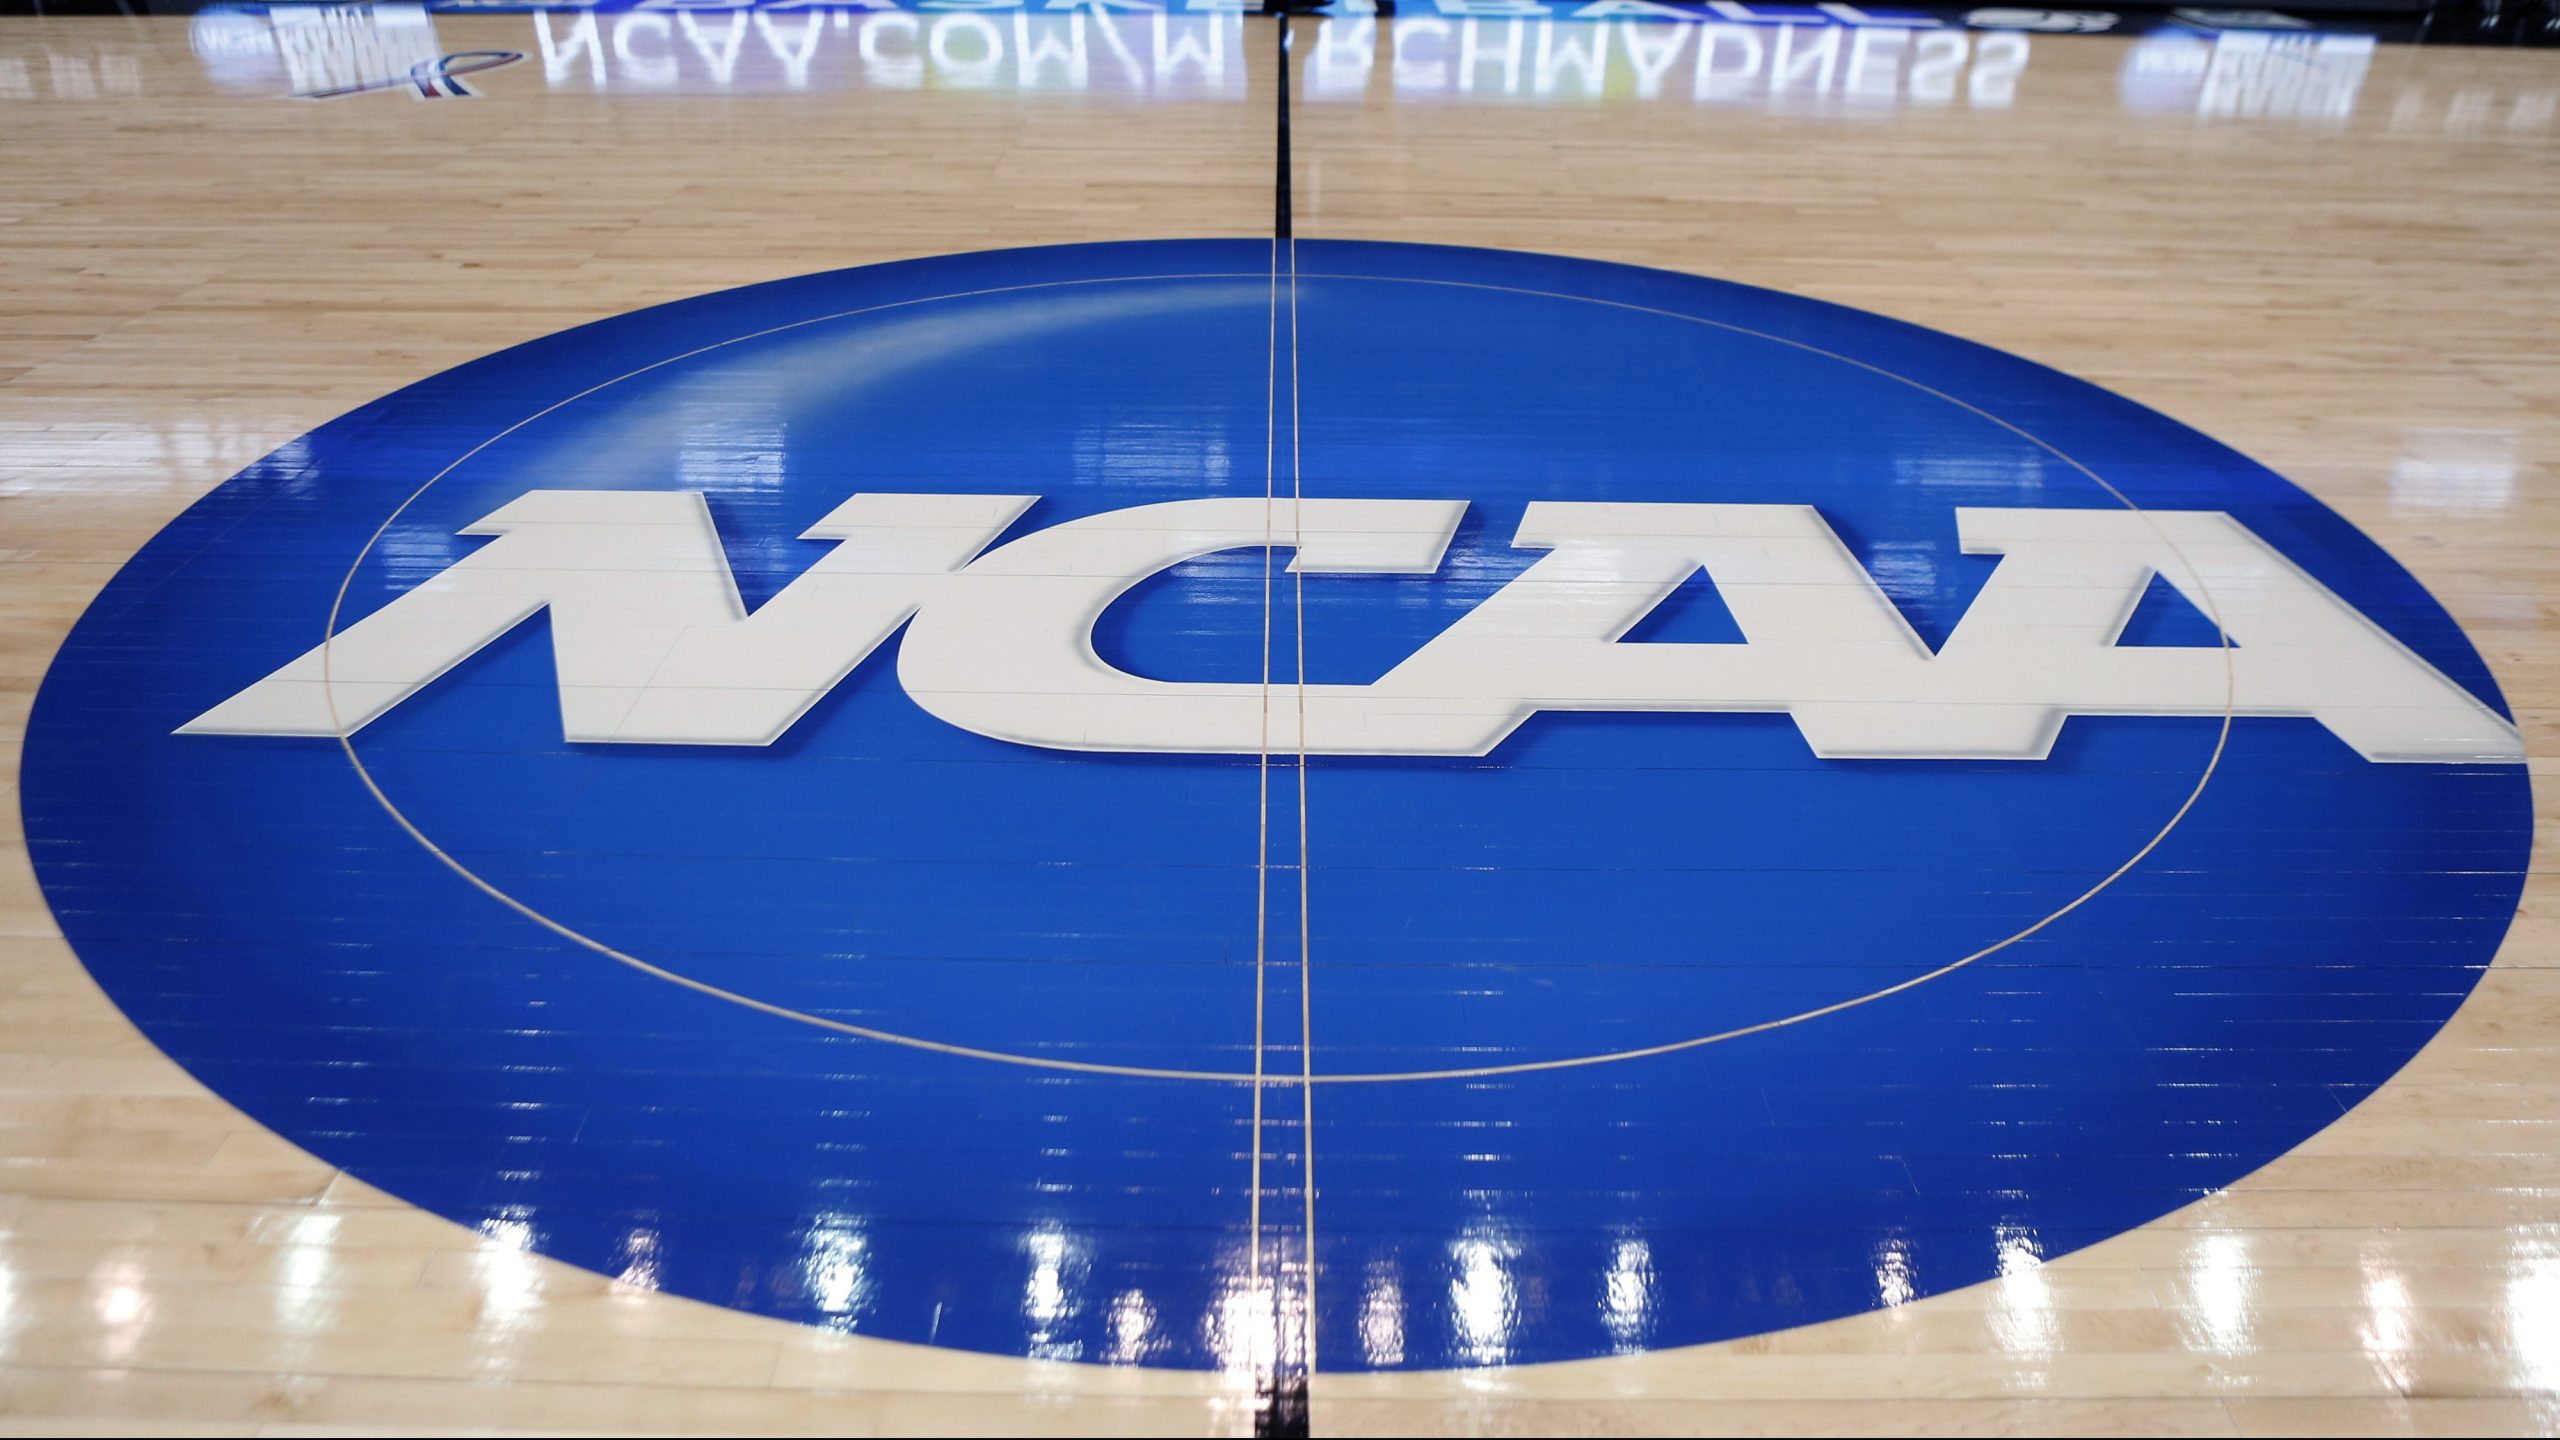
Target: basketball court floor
(979, 718)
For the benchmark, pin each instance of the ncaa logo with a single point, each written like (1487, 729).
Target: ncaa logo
(1002, 801)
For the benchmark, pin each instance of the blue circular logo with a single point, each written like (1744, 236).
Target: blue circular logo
(1526, 808)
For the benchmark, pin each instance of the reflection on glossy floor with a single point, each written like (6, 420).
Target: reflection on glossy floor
(2329, 256)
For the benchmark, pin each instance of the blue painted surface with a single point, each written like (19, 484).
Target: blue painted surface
(1599, 882)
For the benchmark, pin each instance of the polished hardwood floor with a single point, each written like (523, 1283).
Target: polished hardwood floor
(2341, 266)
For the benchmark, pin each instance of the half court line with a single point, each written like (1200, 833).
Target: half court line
(1282, 1410)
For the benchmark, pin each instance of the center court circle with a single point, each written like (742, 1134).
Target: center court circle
(2296, 922)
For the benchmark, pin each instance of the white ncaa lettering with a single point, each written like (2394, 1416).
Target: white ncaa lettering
(651, 641)
(1010, 653)
(654, 646)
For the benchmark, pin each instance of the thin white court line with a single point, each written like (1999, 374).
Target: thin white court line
(1262, 786)
(1306, 871)
(1230, 1077)
(2221, 739)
